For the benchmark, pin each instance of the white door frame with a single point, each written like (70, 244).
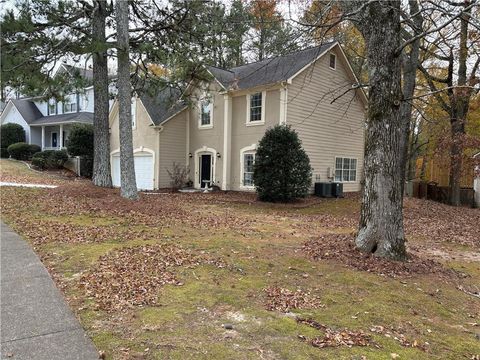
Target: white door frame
(207, 151)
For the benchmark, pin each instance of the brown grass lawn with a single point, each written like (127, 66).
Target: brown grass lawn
(221, 276)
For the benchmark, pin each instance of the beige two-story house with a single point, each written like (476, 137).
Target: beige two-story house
(215, 133)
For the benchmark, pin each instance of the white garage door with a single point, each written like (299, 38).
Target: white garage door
(116, 170)
(143, 171)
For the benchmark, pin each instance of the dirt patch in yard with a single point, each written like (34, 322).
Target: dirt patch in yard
(341, 248)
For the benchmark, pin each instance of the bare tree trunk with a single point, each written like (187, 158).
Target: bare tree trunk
(410, 64)
(411, 156)
(456, 160)
(381, 220)
(460, 101)
(101, 152)
(423, 169)
(127, 169)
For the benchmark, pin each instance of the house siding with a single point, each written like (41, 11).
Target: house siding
(328, 130)
(143, 135)
(13, 116)
(243, 135)
(207, 138)
(172, 146)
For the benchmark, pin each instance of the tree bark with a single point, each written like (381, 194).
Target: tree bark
(410, 65)
(381, 221)
(128, 187)
(101, 146)
(460, 101)
(456, 159)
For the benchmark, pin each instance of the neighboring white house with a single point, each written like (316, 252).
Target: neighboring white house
(48, 123)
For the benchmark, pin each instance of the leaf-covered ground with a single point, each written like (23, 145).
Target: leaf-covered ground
(221, 276)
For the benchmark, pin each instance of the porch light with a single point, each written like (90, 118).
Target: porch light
(190, 155)
(218, 155)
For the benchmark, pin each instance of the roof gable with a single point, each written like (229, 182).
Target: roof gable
(163, 105)
(84, 72)
(27, 109)
(159, 108)
(348, 69)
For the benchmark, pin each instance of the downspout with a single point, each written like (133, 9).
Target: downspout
(156, 180)
(283, 103)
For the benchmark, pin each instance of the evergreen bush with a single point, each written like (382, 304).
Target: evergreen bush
(80, 140)
(50, 159)
(11, 134)
(282, 170)
(20, 151)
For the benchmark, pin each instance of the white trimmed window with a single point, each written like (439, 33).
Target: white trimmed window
(205, 112)
(333, 61)
(256, 108)
(52, 107)
(345, 169)
(69, 106)
(247, 173)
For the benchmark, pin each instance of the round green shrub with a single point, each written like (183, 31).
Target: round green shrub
(282, 170)
(20, 151)
(39, 162)
(11, 134)
(34, 149)
(59, 158)
(80, 140)
(23, 151)
(50, 159)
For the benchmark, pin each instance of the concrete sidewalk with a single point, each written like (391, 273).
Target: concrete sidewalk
(2, 183)
(36, 323)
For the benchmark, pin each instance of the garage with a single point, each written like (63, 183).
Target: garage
(143, 170)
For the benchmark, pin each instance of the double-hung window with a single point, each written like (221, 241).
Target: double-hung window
(247, 173)
(69, 106)
(205, 105)
(345, 169)
(333, 61)
(256, 108)
(52, 108)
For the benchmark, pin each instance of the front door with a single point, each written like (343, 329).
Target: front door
(205, 170)
(54, 139)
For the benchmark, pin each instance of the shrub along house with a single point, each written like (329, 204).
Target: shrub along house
(216, 134)
(47, 123)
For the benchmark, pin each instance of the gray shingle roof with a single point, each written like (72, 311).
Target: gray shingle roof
(83, 117)
(163, 105)
(82, 71)
(268, 71)
(27, 109)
